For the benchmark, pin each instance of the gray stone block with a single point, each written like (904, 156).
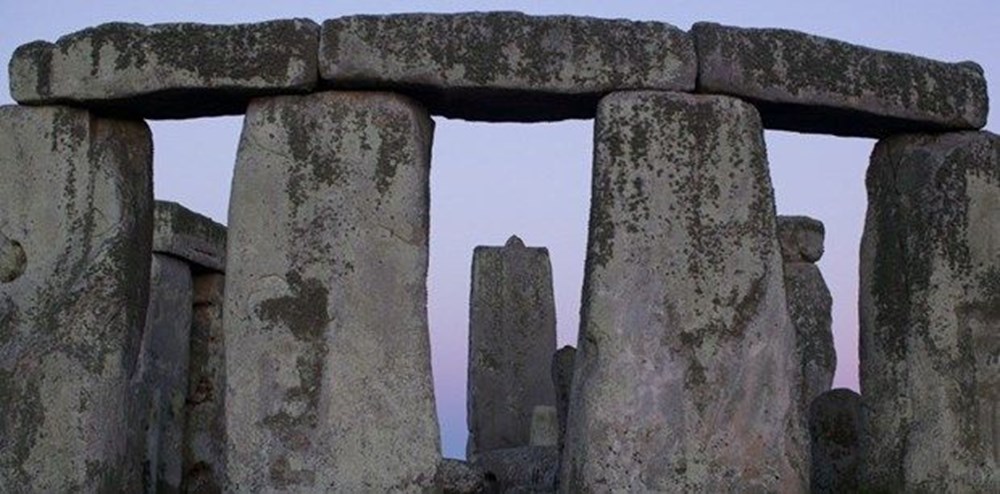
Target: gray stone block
(801, 238)
(835, 431)
(76, 206)
(459, 477)
(182, 70)
(205, 432)
(505, 66)
(183, 233)
(686, 366)
(512, 335)
(521, 469)
(544, 426)
(562, 378)
(929, 310)
(809, 307)
(327, 349)
(160, 383)
(807, 83)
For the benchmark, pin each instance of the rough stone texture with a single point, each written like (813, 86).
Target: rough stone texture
(544, 426)
(807, 83)
(161, 380)
(562, 378)
(834, 421)
(521, 469)
(71, 323)
(183, 233)
(809, 307)
(801, 238)
(168, 70)
(205, 433)
(459, 477)
(686, 365)
(505, 66)
(930, 309)
(327, 350)
(512, 335)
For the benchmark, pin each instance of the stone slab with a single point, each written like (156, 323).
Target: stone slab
(181, 70)
(544, 426)
(512, 335)
(521, 469)
(801, 238)
(327, 350)
(459, 477)
(807, 83)
(686, 364)
(183, 233)
(929, 310)
(76, 215)
(205, 421)
(505, 66)
(835, 432)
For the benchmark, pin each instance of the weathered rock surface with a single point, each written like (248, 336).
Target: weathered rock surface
(801, 238)
(544, 426)
(505, 66)
(459, 477)
(834, 428)
(521, 469)
(327, 350)
(562, 378)
(512, 335)
(205, 432)
(161, 380)
(71, 321)
(685, 372)
(183, 233)
(930, 309)
(807, 83)
(182, 70)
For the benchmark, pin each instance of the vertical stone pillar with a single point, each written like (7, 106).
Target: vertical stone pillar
(685, 376)
(930, 313)
(562, 379)
(512, 335)
(809, 304)
(327, 349)
(76, 214)
(834, 430)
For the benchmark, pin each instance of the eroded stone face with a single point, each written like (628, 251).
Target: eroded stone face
(181, 70)
(512, 335)
(835, 432)
(505, 66)
(807, 83)
(686, 369)
(183, 233)
(521, 469)
(71, 322)
(801, 238)
(930, 309)
(327, 351)
(809, 307)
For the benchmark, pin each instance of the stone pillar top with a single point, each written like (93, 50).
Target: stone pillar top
(182, 233)
(514, 241)
(801, 238)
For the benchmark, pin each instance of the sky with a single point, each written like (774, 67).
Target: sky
(489, 181)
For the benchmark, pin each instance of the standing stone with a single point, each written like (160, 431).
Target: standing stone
(327, 349)
(930, 309)
(544, 426)
(834, 428)
(562, 378)
(512, 335)
(520, 469)
(459, 477)
(685, 376)
(76, 215)
(205, 433)
(809, 304)
(161, 380)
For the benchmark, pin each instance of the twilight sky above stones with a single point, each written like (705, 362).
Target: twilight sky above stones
(491, 180)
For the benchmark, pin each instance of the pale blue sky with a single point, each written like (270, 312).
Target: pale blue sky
(491, 180)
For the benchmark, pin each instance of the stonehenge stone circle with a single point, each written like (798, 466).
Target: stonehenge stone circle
(327, 350)
(512, 336)
(296, 356)
(930, 309)
(686, 383)
(71, 323)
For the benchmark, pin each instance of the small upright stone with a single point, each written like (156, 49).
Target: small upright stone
(562, 378)
(327, 349)
(930, 313)
(685, 372)
(182, 70)
(834, 428)
(76, 225)
(512, 335)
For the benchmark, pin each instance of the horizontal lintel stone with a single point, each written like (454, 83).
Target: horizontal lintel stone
(181, 70)
(811, 84)
(505, 66)
(190, 236)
